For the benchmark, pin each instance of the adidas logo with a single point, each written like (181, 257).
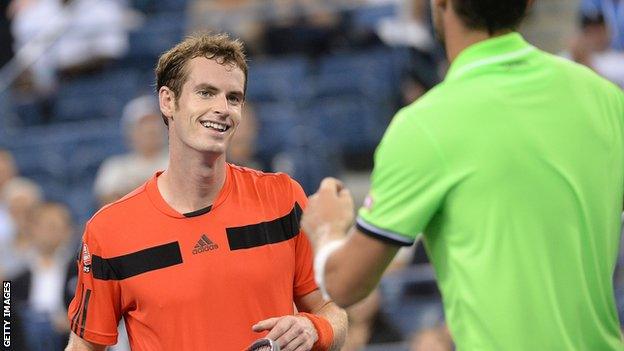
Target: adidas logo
(204, 244)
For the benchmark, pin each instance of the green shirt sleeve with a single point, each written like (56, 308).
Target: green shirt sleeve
(408, 183)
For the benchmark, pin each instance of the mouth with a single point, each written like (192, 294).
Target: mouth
(217, 126)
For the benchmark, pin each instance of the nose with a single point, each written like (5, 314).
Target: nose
(221, 105)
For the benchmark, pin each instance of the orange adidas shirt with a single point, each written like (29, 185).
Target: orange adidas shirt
(193, 283)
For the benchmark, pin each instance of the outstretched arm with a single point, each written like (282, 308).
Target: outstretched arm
(348, 267)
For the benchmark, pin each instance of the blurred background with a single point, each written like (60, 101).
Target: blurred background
(80, 126)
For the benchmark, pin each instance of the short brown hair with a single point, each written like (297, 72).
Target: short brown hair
(171, 69)
(491, 15)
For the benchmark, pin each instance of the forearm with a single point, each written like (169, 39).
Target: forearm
(337, 318)
(78, 344)
(354, 269)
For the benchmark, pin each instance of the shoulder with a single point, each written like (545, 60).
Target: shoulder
(266, 187)
(260, 179)
(590, 85)
(114, 213)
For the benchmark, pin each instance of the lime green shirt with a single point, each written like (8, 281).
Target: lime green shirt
(513, 168)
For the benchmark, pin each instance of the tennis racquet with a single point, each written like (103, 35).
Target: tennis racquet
(264, 345)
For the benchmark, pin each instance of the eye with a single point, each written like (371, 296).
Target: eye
(235, 99)
(204, 93)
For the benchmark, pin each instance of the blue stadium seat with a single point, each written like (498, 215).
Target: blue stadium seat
(98, 96)
(29, 110)
(82, 202)
(353, 124)
(276, 122)
(171, 5)
(158, 34)
(281, 79)
(49, 154)
(89, 155)
(312, 156)
(370, 72)
(152, 6)
(9, 119)
(367, 17)
(43, 163)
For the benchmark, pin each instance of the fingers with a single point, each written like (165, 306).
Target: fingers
(345, 195)
(330, 185)
(280, 328)
(290, 332)
(266, 324)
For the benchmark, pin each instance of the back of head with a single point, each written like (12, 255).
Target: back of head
(491, 15)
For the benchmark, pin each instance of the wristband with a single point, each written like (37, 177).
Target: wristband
(324, 331)
(320, 260)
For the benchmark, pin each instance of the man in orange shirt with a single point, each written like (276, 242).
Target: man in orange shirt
(205, 255)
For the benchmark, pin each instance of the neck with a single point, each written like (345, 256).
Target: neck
(457, 38)
(192, 182)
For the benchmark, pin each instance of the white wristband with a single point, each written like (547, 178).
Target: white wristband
(319, 265)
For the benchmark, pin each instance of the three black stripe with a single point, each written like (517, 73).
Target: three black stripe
(271, 232)
(126, 266)
(74, 325)
(84, 313)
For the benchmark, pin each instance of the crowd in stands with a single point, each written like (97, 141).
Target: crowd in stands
(80, 125)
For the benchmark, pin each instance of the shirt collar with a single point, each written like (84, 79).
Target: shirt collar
(494, 50)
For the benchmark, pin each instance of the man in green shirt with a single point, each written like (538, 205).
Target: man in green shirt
(513, 168)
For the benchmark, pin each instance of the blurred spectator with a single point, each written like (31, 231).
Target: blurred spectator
(42, 291)
(77, 36)
(8, 171)
(145, 131)
(410, 27)
(242, 149)
(303, 27)
(613, 13)
(591, 48)
(242, 18)
(20, 195)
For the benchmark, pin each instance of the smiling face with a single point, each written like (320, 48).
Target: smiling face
(207, 111)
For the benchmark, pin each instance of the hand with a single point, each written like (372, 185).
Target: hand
(329, 213)
(292, 333)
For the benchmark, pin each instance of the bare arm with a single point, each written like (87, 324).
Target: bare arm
(355, 268)
(356, 262)
(337, 317)
(76, 343)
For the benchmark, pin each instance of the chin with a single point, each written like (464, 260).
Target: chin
(216, 149)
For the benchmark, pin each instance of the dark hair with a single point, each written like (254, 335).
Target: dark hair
(591, 19)
(171, 68)
(491, 15)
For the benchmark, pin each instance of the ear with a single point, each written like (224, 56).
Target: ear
(166, 100)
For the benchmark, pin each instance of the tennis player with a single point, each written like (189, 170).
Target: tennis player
(205, 255)
(513, 168)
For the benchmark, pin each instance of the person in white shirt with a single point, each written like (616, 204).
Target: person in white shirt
(120, 174)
